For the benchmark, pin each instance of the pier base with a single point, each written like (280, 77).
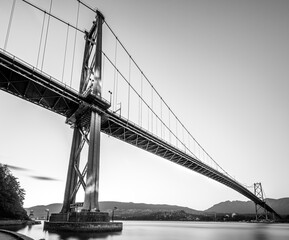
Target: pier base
(82, 222)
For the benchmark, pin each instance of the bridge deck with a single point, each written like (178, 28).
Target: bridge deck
(24, 81)
(134, 135)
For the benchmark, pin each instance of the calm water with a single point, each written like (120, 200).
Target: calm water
(146, 230)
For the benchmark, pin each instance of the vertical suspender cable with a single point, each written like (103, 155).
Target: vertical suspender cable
(157, 118)
(64, 60)
(139, 106)
(75, 35)
(102, 73)
(177, 139)
(152, 115)
(129, 70)
(148, 117)
(141, 101)
(116, 90)
(40, 41)
(189, 143)
(202, 156)
(115, 75)
(169, 125)
(9, 24)
(161, 118)
(194, 142)
(184, 139)
(47, 29)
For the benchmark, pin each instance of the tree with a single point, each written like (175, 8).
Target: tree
(11, 196)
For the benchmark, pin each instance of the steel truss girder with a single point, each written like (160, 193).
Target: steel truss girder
(26, 82)
(113, 125)
(116, 126)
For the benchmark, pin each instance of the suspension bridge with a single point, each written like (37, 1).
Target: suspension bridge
(113, 96)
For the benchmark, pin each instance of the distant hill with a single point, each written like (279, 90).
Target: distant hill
(233, 207)
(105, 206)
(281, 206)
(39, 210)
(123, 207)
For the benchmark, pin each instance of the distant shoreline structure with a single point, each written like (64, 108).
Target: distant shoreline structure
(143, 211)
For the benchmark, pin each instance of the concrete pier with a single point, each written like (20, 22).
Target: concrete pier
(83, 227)
(82, 222)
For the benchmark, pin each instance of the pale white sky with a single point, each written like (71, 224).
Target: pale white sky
(222, 66)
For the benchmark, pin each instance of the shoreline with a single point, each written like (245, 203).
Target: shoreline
(6, 223)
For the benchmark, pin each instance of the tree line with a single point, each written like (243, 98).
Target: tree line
(11, 196)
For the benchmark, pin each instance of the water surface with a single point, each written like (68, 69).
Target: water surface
(150, 230)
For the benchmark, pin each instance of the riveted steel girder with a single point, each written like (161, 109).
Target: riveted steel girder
(22, 80)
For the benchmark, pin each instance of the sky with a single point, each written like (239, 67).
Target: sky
(221, 66)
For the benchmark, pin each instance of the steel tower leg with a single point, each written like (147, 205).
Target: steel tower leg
(92, 176)
(71, 179)
(90, 85)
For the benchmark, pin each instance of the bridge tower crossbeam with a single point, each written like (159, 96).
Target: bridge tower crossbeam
(261, 212)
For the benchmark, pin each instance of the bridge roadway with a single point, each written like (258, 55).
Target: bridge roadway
(25, 81)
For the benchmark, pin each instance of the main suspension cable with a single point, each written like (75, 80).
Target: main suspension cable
(40, 41)
(75, 35)
(87, 6)
(201, 148)
(149, 108)
(46, 36)
(55, 17)
(65, 50)
(9, 24)
(165, 102)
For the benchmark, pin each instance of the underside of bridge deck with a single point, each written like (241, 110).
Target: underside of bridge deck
(21, 79)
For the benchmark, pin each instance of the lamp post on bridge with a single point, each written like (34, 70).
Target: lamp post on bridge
(112, 215)
(110, 93)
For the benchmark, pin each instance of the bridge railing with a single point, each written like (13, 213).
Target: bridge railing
(36, 70)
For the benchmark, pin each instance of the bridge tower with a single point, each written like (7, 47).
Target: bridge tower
(261, 212)
(86, 124)
(86, 121)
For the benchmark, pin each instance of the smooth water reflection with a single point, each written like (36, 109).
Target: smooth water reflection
(148, 230)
